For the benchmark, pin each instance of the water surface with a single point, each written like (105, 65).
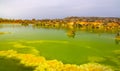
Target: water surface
(66, 45)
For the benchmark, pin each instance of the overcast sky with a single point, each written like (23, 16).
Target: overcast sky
(28, 9)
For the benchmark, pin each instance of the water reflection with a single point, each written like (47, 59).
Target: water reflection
(72, 29)
(1, 26)
(86, 43)
(71, 33)
(117, 38)
(25, 24)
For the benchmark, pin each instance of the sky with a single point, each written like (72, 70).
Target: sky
(42, 9)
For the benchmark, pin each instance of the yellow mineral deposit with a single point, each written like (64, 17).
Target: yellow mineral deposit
(1, 33)
(41, 64)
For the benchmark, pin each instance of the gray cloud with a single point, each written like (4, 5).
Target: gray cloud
(28, 9)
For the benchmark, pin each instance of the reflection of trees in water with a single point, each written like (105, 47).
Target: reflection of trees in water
(71, 29)
(71, 33)
(71, 25)
(25, 24)
(49, 26)
(117, 38)
(1, 26)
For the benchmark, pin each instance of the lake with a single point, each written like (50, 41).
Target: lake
(67, 45)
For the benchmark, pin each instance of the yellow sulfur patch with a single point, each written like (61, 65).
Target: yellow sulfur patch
(5, 33)
(41, 64)
(18, 45)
